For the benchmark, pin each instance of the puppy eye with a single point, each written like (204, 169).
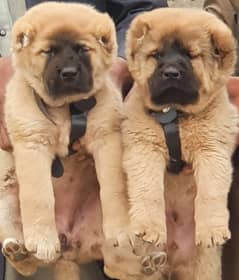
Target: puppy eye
(48, 52)
(156, 54)
(85, 48)
(79, 48)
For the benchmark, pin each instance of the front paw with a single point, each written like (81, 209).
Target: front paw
(155, 261)
(151, 233)
(134, 261)
(211, 235)
(121, 262)
(43, 243)
(119, 259)
(14, 249)
(16, 253)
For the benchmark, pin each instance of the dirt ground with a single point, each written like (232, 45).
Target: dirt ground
(186, 3)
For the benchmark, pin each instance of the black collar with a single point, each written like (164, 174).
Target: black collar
(168, 119)
(78, 112)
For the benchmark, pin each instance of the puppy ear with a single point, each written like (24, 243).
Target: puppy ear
(136, 35)
(22, 35)
(222, 40)
(139, 28)
(105, 34)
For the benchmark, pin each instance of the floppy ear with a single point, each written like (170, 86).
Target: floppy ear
(136, 35)
(222, 40)
(105, 34)
(22, 35)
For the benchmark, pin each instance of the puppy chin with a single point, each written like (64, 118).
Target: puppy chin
(59, 90)
(174, 95)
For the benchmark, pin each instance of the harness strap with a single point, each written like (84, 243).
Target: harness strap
(78, 112)
(168, 119)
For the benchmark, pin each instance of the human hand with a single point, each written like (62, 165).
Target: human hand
(233, 90)
(5, 74)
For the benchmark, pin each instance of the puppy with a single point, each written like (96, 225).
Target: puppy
(62, 57)
(62, 54)
(180, 60)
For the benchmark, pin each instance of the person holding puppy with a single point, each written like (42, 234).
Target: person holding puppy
(119, 71)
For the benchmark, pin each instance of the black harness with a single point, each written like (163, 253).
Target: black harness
(78, 112)
(168, 119)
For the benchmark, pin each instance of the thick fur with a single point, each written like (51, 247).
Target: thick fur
(47, 41)
(158, 44)
(63, 52)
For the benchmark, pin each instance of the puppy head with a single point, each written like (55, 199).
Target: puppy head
(182, 56)
(63, 50)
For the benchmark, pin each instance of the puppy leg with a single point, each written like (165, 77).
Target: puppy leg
(33, 168)
(213, 175)
(10, 225)
(10, 221)
(120, 261)
(145, 167)
(113, 193)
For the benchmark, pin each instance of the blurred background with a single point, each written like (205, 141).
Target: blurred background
(185, 3)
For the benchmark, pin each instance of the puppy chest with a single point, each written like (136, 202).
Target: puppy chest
(204, 136)
(61, 119)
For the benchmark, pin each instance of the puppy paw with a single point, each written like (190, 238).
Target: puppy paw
(120, 262)
(155, 235)
(44, 244)
(159, 259)
(14, 249)
(155, 261)
(133, 260)
(112, 234)
(214, 237)
(148, 267)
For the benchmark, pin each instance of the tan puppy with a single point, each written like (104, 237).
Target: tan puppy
(180, 60)
(61, 56)
(62, 53)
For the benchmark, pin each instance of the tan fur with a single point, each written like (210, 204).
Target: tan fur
(36, 139)
(207, 132)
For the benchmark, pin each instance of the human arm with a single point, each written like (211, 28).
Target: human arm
(5, 74)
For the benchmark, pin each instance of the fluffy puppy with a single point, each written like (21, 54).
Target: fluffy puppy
(180, 60)
(60, 56)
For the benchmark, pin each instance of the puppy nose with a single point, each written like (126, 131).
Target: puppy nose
(171, 72)
(69, 72)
